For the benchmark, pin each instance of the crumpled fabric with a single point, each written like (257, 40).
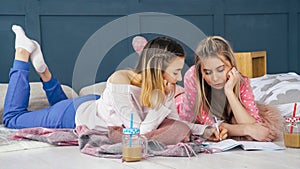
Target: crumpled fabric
(97, 143)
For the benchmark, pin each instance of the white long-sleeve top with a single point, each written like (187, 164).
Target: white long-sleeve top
(116, 104)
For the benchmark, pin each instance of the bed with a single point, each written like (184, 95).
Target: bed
(281, 90)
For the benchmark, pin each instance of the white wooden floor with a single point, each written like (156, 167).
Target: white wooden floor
(71, 158)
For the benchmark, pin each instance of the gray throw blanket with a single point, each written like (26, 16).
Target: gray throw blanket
(96, 143)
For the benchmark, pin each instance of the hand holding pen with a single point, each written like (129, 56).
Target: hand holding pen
(219, 132)
(217, 126)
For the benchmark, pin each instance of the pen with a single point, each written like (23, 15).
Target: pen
(216, 125)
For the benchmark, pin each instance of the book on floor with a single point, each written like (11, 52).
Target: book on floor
(228, 144)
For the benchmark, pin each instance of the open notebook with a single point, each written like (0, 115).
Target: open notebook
(245, 145)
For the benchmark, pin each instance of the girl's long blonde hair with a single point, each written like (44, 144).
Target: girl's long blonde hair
(214, 46)
(155, 58)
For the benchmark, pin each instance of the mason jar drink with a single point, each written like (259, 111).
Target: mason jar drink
(134, 146)
(292, 132)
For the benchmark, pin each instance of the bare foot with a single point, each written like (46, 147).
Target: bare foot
(22, 54)
(46, 75)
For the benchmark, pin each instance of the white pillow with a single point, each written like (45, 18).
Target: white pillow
(93, 89)
(281, 90)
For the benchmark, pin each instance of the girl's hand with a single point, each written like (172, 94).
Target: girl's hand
(213, 135)
(169, 87)
(260, 132)
(223, 133)
(233, 77)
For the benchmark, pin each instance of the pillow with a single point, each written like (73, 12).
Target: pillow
(37, 98)
(280, 90)
(93, 89)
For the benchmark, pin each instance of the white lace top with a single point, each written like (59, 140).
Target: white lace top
(116, 104)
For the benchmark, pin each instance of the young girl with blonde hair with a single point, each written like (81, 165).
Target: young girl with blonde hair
(214, 87)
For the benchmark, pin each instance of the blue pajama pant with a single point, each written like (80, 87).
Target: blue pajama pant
(60, 114)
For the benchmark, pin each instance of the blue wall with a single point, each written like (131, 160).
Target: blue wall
(63, 27)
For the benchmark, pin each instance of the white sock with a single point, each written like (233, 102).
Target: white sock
(37, 58)
(22, 41)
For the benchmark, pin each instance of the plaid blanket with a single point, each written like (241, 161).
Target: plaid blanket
(96, 143)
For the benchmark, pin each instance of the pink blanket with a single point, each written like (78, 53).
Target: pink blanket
(97, 143)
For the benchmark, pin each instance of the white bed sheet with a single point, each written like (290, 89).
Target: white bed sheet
(71, 158)
(38, 155)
